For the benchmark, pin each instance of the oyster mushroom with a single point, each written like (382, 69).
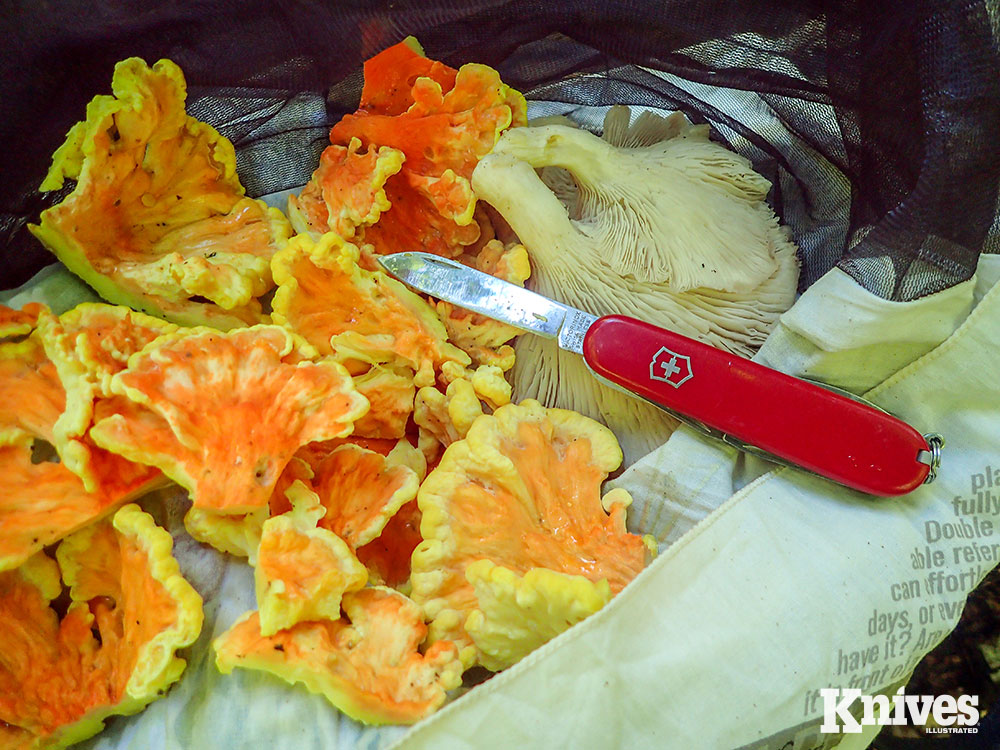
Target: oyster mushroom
(664, 225)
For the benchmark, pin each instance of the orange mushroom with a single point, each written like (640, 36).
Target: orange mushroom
(44, 500)
(21, 322)
(88, 345)
(360, 491)
(222, 414)
(113, 650)
(347, 191)
(485, 339)
(368, 665)
(409, 152)
(391, 74)
(158, 219)
(362, 318)
(522, 490)
(302, 570)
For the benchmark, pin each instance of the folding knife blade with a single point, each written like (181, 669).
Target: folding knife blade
(474, 290)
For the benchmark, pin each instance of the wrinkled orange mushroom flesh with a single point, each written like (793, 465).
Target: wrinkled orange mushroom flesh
(522, 490)
(388, 556)
(308, 211)
(441, 122)
(315, 452)
(316, 297)
(302, 571)
(101, 337)
(43, 680)
(370, 667)
(444, 129)
(307, 568)
(239, 534)
(42, 500)
(88, 345)
(347, 189)
(443, 418)
(158, 219)
(31, 394)
(19, 322)
(564, 486)
(361, 492)
(415, 222)
(129, 605)
(41, 503)
(309, 456)
(323, 293)
(117, 476)
(299, 469)
(485, 339)
(223, 413)
(442, 134)
(60, 678)
(391, 393)
(390, 75)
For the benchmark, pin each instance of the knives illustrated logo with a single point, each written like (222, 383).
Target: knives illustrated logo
(670, 367)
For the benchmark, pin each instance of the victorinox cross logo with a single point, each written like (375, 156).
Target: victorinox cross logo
(670, 367)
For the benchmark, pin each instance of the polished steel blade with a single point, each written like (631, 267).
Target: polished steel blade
(474, 290)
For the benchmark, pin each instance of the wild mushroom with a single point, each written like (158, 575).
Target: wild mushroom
(664, 225)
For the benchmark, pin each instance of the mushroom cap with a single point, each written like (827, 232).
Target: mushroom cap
(158, 219)
(88, 345)
(397, 173)
(515, 614)
(15, 323)
(302, 570)
(361, 317)
(684, 212)
(360, 490)
(190, 393)
(113, 651)
(619, 255)
(347, 190)
(43, 501)
(368, 664)
(522, 490)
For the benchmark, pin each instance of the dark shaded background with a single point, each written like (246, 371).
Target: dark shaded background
(876, 122)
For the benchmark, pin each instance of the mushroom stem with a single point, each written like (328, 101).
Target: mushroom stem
(590, 159)
(533, 211)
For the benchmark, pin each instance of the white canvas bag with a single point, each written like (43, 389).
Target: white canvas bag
(791, 584)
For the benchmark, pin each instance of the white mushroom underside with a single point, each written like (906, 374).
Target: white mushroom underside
(622, 226)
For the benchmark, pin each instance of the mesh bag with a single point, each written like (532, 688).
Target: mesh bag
(874, 122)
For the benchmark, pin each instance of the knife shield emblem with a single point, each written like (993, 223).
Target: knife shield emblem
(670, 367)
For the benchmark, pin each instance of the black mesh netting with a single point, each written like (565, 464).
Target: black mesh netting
(877, 122)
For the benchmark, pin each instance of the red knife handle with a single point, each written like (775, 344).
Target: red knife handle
(827, 433)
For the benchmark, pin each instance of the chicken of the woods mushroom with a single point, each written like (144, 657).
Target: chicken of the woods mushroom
(653, 220)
